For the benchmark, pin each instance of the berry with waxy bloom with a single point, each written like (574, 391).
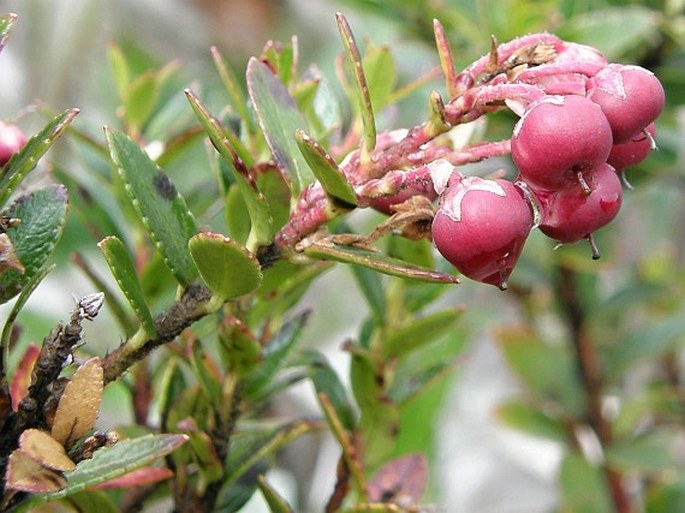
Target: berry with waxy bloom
(571, 214)
(631, 98)
(481, 226)
(12, 139)
(559, 137)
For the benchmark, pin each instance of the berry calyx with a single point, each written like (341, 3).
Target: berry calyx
(12, 139)
(559, 137)
(571, 214)
(481, 226)
(631, 98)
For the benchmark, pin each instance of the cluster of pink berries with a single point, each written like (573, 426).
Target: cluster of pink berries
(593, 120)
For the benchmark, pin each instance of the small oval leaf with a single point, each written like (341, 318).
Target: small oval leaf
(28, 475)
(42, 214)
(228, 269)
(79, 405)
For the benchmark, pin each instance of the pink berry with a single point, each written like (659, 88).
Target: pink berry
(631, 98)
(12, 139)
(481, 226)
(559, 137)
(634, 151)
(571, 214)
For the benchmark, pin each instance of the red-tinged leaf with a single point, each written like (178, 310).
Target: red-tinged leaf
(45, 450)
(139, 477)
(28, 475)
(22, 376)
(402, 480)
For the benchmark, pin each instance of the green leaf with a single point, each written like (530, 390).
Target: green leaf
(420, 332)
(278, 118)
(274, 355)
(161, 208)
(6, 22)
(651, 453)
(261, 230)
(121, 264)
(583, 487)
(276, 503)
(373, 289)
(617, 32)
(378, 262)
(228, 269)
(652, 340)
(531, 419)
(667, 497)
(326, 171)
(110, 462)
(326, 381)
(246, 449)
(140, 100)
(547, 370)
(42, 214)
(238, 99)
(26, 159)
(381, 75)
(120, 70)
(361, 92)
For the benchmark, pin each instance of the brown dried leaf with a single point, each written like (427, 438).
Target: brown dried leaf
(28, 475)
(45, 450)
(80, 403)
(22, 377)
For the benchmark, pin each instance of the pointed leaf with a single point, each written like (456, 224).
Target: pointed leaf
(361, 93)
(79, 406)
(278, 118)
(531, 419)
(121, 264)
(42, 213)
(420, 332)
(28, 475)
(26, 159)
(161, 208)
(378, 262)
(274, 355)
(228, 269)
(326, 170)
(238, 98)
(276, 503)
(249, 448)
(261, 230)
(111, 462)
(381, 75)
(140, 100)
(6, 22)
(120, 70)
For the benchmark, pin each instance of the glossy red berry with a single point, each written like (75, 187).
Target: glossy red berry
(12, 139)
(481, 227)
(559, 137)
(571, 214)
(631, 98)
(634, 151)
